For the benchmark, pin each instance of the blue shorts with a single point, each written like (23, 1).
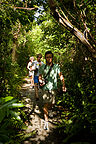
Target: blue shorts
(36, 80)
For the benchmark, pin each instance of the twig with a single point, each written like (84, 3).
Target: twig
(25, 8)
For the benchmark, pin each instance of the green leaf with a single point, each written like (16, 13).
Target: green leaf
(15, 115)
(8, 103)
(14, 105)
(8, 98)
(79, 85)
(2, 114)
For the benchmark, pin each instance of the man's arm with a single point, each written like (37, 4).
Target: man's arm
(40, 78)
(41, 81)
(63, 82)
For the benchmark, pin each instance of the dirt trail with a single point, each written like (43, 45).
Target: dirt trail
(33, 109)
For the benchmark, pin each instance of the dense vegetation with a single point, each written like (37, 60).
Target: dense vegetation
(22, 34)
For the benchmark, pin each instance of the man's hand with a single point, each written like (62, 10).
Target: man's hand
(62, 79)
(64, 89)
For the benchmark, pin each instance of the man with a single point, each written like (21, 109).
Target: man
(49, 72)
(37, 64)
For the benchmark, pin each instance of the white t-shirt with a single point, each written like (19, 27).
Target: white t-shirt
(30, 64)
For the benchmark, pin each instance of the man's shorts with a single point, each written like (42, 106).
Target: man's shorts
(49, 96)
(36, 79)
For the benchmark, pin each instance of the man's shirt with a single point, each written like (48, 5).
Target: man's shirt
(36, 65)
(51, 77)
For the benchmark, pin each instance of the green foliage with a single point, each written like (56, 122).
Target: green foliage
(11, 72)
(79, 100)
(9, 116)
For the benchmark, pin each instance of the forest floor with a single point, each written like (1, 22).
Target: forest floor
(34, 132)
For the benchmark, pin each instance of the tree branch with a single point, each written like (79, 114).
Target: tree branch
(67, 24)
(25, 8)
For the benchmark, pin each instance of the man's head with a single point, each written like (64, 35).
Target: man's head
(39, 56)
(49, 57)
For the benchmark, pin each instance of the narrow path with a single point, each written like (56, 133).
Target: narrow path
(35, 124)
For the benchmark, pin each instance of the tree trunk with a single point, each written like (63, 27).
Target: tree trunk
(14, 52)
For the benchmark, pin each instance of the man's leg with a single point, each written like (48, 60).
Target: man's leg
(45, 110)
(36, 87)
(48, 103)
(36, 91)
(32, 81)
